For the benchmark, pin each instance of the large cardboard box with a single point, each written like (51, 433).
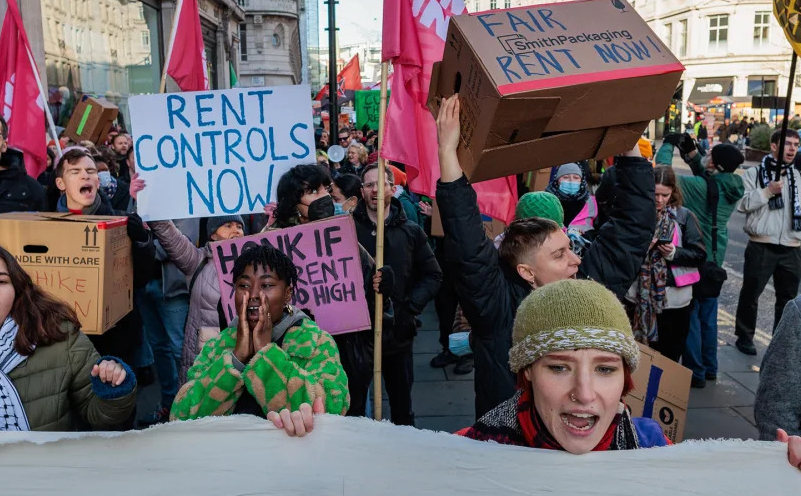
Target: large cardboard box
(91, 120)
(82, 260)
(548, 84)
(661, 392)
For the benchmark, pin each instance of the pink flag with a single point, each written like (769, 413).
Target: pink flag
(20, 99)
(413, 39)
(187, 59)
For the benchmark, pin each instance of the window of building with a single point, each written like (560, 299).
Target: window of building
(276, 40)
(682, 38)
(243, 42)
(669, 35)
(507, 4)
(761, 23)
(146, 38)
(476, 6)
(493, 4)
(718, 32)
(762, 85)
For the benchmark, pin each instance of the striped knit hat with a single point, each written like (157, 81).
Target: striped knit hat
(571, 315)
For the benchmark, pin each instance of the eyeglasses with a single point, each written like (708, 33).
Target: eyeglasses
(374, 184)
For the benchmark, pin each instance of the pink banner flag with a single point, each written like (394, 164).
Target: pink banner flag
(187, 59)
(330, 280)
(413, 39)
(20, 99)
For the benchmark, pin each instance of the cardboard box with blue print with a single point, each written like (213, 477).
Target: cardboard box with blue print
(548, 84)
(82, 260)
(661, 392)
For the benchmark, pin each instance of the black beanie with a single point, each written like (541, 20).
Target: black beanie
(214, 223)
(727, 157)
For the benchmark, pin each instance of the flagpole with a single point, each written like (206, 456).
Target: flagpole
(50, 123)
(173, 30)
(379, 249)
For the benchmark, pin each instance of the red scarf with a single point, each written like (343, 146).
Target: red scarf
(537, 435)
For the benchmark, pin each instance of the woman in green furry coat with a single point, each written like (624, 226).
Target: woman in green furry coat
(271, 360)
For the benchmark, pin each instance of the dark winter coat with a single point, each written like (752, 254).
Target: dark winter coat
(59, 394)
(417, 273)
(490, 291)
(19, 192)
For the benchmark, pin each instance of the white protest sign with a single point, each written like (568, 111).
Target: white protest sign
(211, 153)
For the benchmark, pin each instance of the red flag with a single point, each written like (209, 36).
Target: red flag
(348, 79)
(20, 98)
(413, 39)
(187, 59)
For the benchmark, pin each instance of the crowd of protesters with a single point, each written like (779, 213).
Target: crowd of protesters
(553, 356)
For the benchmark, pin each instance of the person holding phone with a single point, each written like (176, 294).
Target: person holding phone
(658, 302)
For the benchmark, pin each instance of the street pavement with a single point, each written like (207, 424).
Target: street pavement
(444, 401)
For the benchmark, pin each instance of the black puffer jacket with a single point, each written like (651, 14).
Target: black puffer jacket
(19, 192)
(490, 292)
(417, 273)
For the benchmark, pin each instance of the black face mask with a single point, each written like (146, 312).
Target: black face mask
(321, 208)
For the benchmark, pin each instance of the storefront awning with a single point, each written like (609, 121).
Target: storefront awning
(707, 89)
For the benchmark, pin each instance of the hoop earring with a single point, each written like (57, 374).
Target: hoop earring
(289, 309)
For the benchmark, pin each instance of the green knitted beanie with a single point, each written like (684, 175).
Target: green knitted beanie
(571, 315)
(540, 204)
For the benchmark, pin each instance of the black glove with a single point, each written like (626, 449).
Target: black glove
(387, 280)
(686, 144)
(136, 229)
(672, 138)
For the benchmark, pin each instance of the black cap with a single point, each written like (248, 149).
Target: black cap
(727, 157)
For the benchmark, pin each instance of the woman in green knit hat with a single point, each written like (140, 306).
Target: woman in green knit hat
(573, 352)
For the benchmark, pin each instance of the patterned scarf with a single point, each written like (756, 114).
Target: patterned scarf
(651, 282)
(767, 172)
(517, 422)
(12, 414)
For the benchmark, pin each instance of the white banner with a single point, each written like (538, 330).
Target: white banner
(211, 153)
(243, 454)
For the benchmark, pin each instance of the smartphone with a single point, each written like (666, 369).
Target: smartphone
(662, 241)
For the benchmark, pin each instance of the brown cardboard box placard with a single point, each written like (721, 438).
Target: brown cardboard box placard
(83, 260)
(661, 392)
(91, 120)
(492, 227)
(544, 85)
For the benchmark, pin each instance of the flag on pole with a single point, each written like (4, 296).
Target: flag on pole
(20, 99)
(349, 80)
(234, 79)
(413, 39)
(187, 57)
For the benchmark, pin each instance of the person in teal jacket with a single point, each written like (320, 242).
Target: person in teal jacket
(700, 354)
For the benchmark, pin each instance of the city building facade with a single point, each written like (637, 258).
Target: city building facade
(272, 52)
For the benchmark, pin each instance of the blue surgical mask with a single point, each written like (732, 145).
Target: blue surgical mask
(569, 187)
(338, 210)
(105, 178)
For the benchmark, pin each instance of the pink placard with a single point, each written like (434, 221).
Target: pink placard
(330, 279)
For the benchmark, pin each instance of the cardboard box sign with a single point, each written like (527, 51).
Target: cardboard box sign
(661, 392)
(91, 120)
(544, 85)
(83, 260)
